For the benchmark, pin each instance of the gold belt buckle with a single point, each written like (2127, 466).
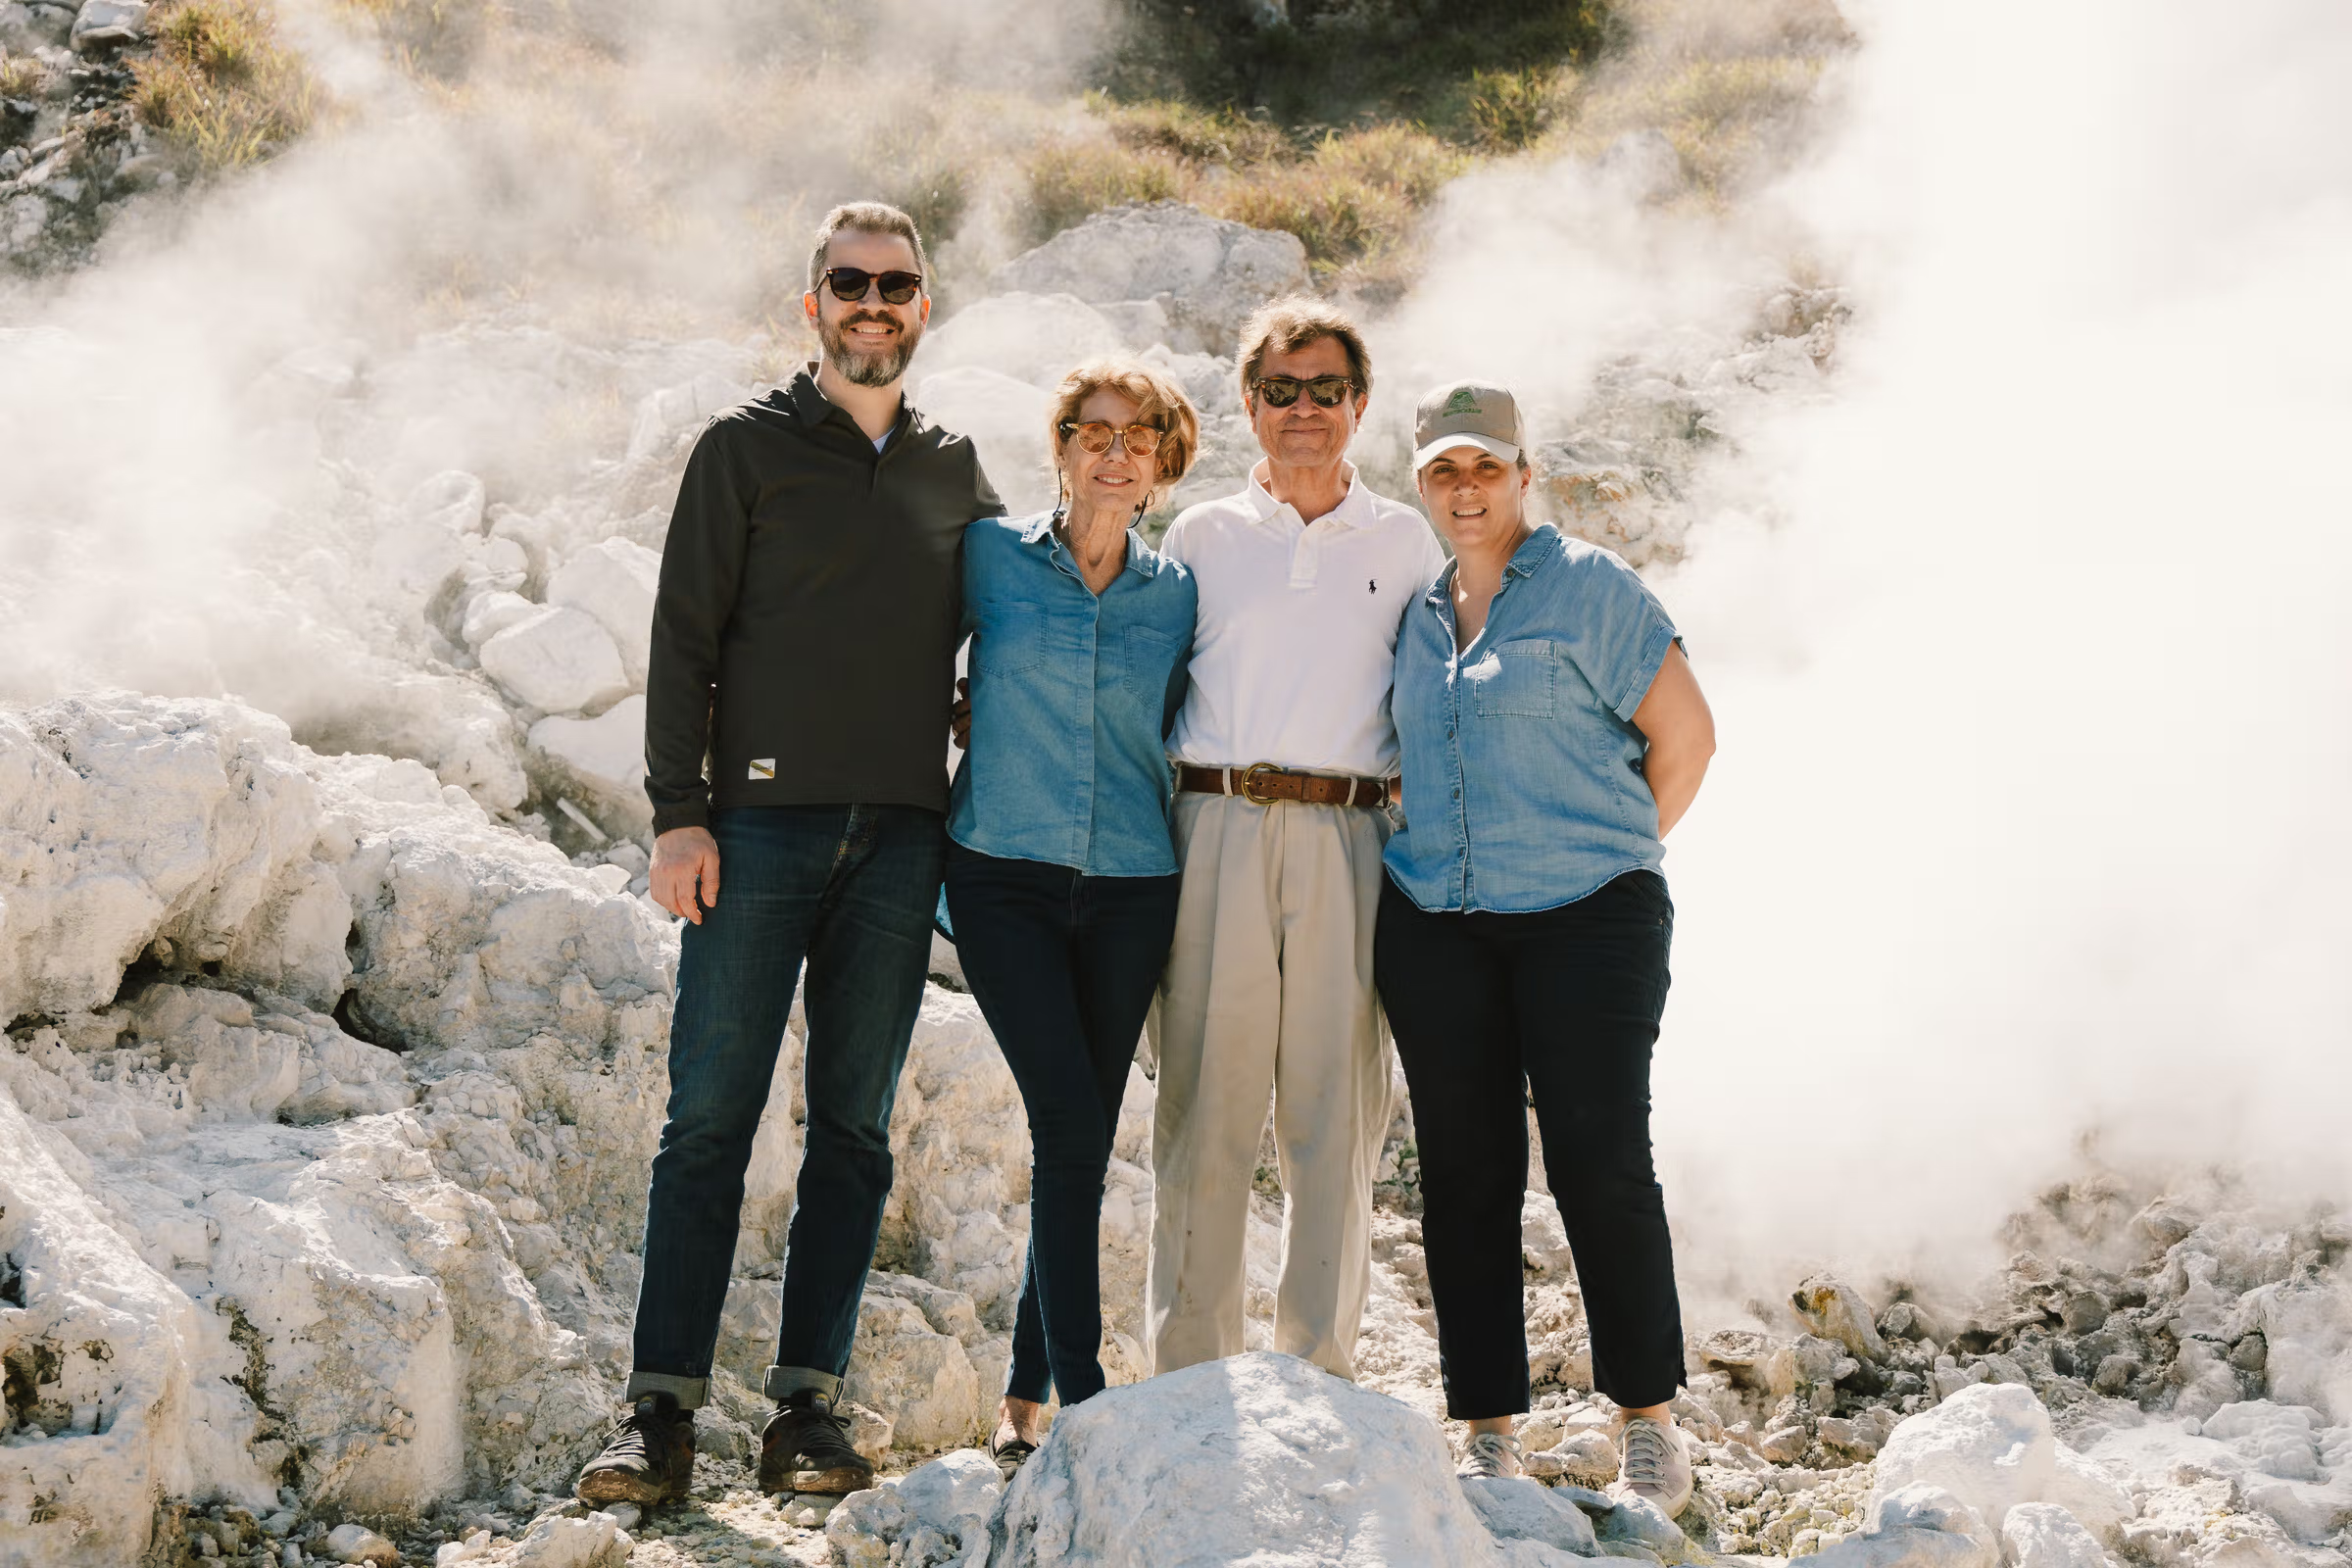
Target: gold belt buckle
(1251, 786)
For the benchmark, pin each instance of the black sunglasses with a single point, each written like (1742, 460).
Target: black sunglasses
(1095, 435)
(851, 283)
(1281, 391)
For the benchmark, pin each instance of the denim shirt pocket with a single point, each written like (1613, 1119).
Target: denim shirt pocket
(1148, 653)
(1011, 639)
(1516, 680)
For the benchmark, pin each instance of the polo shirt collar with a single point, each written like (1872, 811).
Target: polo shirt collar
(1354, 511)
(815, 408)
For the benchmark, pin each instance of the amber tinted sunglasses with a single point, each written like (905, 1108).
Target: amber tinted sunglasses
(1095, 435)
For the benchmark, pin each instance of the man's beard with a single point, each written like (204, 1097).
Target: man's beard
(863, 366)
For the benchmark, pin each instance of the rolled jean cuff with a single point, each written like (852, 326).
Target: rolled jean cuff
(692, 1393)
(783, 1382)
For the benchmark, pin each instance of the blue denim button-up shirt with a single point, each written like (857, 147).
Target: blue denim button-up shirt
(1523, 786)
(1071, 699)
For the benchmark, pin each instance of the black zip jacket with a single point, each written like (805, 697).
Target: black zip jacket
(805, 629)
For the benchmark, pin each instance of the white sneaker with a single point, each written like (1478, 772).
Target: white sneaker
(1653, 1463)
(1490, 1456)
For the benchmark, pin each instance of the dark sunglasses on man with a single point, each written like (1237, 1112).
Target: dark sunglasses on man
(1095, 435)
(850, 283)
(1281, 391)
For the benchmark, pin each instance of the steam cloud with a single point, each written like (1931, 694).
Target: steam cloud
(2027, 647)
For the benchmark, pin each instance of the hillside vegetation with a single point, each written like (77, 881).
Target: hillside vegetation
(1339, 120)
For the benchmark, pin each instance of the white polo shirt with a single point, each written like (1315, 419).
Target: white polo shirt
(1295, 644)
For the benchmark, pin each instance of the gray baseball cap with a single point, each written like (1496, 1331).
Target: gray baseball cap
(1466, 414)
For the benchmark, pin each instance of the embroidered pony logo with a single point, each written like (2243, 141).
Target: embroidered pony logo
(1373, 586)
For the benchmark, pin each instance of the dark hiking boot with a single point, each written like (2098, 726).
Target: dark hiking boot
(806, 1448)
(648, 1460)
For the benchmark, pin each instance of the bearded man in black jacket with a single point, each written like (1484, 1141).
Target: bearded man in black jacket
(804, 646)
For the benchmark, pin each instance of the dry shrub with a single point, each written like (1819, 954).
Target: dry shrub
(1071, 180)
(437, 40)
(1197, 135)
(22, 76)
(220, 87)
(1507, 110)
(1720, 115)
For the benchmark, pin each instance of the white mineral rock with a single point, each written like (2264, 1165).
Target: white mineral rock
(604, 756)
(1990, 1446)
(1206, 273)
(489, 613)
(2042, 1535)
(359, 1545)
(1036, 338)
(1529, 1510)
(614, 582)
(557, 660)
(1006, 421)
(1261, 1457)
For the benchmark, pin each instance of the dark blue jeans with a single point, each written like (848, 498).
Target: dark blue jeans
(1063, 966)
(1562, 1005)
(851, 890)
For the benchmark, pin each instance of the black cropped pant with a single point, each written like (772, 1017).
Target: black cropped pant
(1564, 1003)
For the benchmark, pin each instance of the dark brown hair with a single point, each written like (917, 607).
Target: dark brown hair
(1289, 324)
(866, 218)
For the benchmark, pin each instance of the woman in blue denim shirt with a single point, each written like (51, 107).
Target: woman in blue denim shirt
(1061, 879)
(1551, 733)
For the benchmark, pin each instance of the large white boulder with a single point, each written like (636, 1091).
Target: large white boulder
(1006, 421)
(666, 415)
(1036, 338)
(247, 1246)
(1520, 1510)
(605, 757)
(1990, 1446)
(1206, 273)
(125, 821)
(1261, 1459)
(559, 660)
(614, 581)
(2042, 1535)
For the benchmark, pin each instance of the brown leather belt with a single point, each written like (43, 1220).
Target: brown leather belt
(1263, 783)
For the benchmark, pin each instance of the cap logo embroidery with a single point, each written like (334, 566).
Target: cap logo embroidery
(1460, 403)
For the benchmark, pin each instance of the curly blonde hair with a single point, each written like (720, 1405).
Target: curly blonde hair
(1160, 403)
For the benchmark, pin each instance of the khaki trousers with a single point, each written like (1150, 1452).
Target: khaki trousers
(1270, 984)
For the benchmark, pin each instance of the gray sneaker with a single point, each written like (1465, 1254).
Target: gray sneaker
(1489, 1456)
(1653, 1463)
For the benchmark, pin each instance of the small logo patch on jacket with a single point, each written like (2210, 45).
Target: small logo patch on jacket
(764, 767)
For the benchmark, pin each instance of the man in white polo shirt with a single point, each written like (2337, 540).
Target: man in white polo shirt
(1286, 760)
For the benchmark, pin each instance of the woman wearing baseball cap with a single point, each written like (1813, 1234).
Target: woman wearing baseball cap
(1552, 733)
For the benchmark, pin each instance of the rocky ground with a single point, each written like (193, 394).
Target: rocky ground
(327, 1102)
(72, 151)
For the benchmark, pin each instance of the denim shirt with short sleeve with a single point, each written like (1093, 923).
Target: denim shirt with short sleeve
(1072, 696)
(1523, 786)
